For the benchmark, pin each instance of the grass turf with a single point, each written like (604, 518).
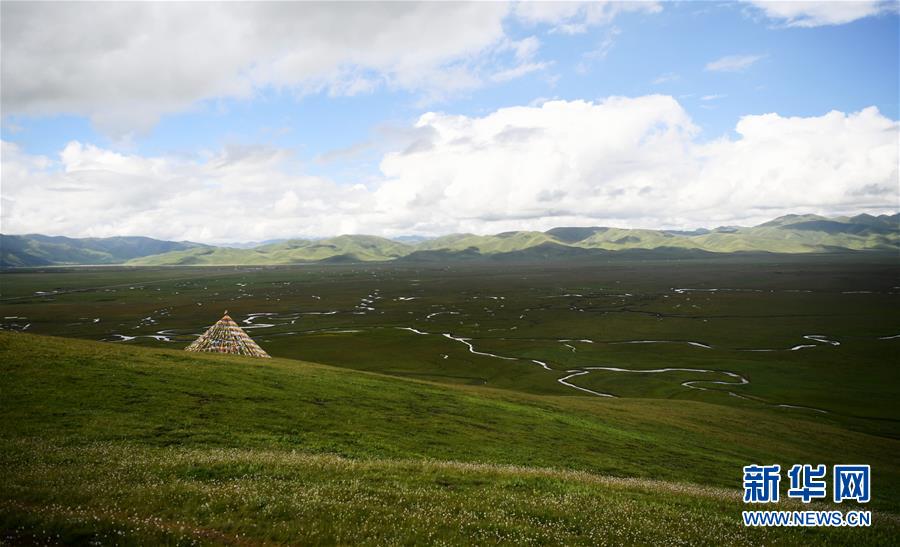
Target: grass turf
(130, 442)
(139, 445)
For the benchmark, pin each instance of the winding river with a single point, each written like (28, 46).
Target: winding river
(739, 380)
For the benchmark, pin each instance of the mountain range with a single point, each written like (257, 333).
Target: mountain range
(41, 250)
(786, 234)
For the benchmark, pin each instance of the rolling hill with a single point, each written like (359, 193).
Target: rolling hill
(346, 247)
(40, 250)
(116, 444)
(787, 234)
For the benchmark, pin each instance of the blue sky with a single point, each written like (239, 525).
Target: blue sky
(792, 67)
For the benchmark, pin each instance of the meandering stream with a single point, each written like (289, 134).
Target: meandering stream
(274, 319)
(739, 380)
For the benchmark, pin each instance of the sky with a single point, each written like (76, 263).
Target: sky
(234, 122)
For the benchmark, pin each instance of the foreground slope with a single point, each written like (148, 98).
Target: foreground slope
(142, 445)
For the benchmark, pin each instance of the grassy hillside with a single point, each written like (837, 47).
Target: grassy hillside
(294, 251)
(204, 255)
(788, 234)
(357, 247)
(39, 250)
(500, 243)
(136, 445)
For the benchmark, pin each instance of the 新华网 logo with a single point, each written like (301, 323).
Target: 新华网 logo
(807, 483)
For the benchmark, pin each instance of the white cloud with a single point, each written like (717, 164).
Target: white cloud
(577, 17)
(526, 48)
(237, 194)
(623, 161)
(815, 14)
(666, 78)
(605, 45)
(733, 63)
(124, 65)
(712, 97)
(518, 71)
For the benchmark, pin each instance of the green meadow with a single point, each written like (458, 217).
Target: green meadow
(455, 402)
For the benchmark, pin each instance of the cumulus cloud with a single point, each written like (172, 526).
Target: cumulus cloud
(817, 14)
(240, 193)
(126, 64)
(621, 161)
(733, 63)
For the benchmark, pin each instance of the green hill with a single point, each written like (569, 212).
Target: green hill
(787, 234)
(40, 250)
(294, 251)
(359, 247)
(573, 234)
(115, 444)
(500, 243)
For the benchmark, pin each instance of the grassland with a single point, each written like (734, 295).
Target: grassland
(360, 316)
(150, 445)
(135, 437)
